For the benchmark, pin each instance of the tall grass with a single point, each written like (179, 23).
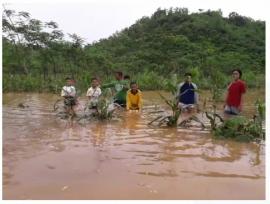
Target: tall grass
(151, 80)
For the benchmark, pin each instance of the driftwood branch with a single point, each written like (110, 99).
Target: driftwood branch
(157, 118)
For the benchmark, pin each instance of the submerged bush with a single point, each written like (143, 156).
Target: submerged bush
(104, 109)
(243, 129)
(238, 128)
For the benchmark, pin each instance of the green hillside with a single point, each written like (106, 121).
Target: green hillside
(37, 58)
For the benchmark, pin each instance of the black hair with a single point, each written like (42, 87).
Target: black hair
(119, 73)
(68, 78)
(188, 74)
(239, 71)
(94, 78)
(126, 77)
(132, 83)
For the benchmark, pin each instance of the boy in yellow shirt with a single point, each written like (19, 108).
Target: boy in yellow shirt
(134, 97)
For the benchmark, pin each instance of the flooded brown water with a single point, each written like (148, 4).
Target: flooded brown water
(44, 158)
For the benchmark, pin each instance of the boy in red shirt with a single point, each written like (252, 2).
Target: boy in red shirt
(236, 89)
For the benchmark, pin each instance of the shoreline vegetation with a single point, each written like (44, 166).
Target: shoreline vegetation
(37, 55)
(146, 82)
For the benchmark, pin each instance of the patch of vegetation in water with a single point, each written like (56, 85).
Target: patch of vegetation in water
(238, 128)
(243, 129)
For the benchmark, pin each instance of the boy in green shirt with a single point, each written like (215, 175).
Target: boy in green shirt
(120, 87)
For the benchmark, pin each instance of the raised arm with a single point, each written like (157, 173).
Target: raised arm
(108, 85)
(196, 95)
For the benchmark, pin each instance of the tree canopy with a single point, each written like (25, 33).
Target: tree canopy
(170, 41)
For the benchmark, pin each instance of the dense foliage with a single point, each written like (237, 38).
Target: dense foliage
(37, 57)
(239, 128)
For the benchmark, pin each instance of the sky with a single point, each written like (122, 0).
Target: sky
(96, 19)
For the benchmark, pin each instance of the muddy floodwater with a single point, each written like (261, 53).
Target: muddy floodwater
(44, 157)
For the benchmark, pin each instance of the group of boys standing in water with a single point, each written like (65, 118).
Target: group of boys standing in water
(127, 94)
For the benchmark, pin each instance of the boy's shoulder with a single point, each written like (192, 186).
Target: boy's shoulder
(181, 84)
(68, 87)
(241, 81)
(92, 89)
(98, 89)
(194, 85)
(139, 91)
(238, 82)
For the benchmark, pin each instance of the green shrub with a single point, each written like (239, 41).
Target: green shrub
(150, 81)
(240, 129)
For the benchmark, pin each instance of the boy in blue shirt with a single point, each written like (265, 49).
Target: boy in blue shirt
(186, 95)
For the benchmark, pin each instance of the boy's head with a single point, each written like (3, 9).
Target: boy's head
(133, 86)
(126, 77)
(70, 81)
(236, 74)
(119, 75)
(94, 82)
(188, 77)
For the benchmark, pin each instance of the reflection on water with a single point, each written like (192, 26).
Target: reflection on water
(44, 158)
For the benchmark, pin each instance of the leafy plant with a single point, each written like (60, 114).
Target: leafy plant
(259, 118)
(238, 128)
(242, 129)
(213, 117)
(172, 119)
(105, 109)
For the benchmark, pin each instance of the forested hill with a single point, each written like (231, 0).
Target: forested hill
(152, 49)
(173, 41)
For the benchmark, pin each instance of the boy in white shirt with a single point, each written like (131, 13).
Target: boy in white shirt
(69, 94)
(93, 93)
